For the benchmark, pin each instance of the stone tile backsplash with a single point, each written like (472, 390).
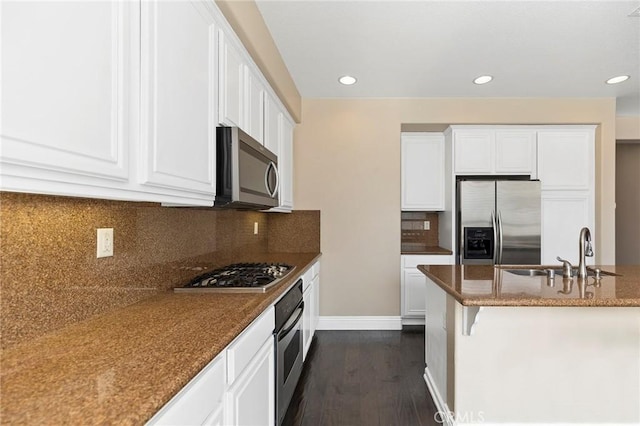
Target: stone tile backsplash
(50, 276)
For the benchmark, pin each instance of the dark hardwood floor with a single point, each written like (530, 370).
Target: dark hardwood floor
(363, 378)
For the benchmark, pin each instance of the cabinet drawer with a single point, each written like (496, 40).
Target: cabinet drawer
(198, 399)
(307, 278)
(412, 261)
(316, 269)
(309, 275)
(242, 350)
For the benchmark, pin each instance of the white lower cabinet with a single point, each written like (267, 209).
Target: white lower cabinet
(250, 400)
(311, 313)
(236, 388)
(315, 316)
(200, 401)
(413, 285)
(306, 319)
(216, 418)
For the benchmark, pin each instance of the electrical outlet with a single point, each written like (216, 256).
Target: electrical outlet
(105, 242)
(255, 228)
(426, 225)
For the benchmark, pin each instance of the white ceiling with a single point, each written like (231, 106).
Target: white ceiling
(436, 48)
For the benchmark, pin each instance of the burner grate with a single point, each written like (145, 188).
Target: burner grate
(240, 276)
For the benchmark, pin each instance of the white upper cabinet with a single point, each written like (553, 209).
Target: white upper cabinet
(231, 83)
(285, 164)
(68, 77)
(515, 152)
(566, 169)
(278, 138)
(564, 213)
(473, 151)
(566, 158)
(272, 115)
(121, 99)
(255, 106)
(423, 176)
(178, 96)
(500, 151)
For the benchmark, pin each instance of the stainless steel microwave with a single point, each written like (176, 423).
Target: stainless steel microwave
(246, 172)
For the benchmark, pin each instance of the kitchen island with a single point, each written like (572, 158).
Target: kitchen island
(504, 347)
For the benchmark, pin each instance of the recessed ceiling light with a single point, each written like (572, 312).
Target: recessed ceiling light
(347, 80)
(483, 79)
(618, 79)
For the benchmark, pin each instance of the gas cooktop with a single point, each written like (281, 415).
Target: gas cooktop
(239, 278)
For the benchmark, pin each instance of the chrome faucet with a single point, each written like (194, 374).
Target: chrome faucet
(585, 250)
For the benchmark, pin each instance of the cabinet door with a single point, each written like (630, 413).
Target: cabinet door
(271, 124)
(566, 159)
(255, 107)
(473, 151)
(216, 418)
(178, 93)
(412, 283)
(67, 80)
(422, 171)
(515, 152)
(315, 313)
(251, 399)
(201, 399)
(564, 213)
(414, 290)
(306, 320)
(231, 83)
(285, 164)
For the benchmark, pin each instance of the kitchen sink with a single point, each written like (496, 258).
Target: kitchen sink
(537, 272)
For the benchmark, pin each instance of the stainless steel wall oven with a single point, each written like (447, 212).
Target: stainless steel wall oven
(288, 347)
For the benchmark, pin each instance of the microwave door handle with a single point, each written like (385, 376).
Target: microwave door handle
(277, 172)
(495, 237)
(270, 167)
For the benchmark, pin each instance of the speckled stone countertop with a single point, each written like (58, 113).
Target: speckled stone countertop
(122, 366)
(494, 286)
(427, 250)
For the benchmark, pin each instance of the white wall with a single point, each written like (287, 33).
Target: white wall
(347, 164)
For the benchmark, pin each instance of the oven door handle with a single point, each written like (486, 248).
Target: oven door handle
(291, 323)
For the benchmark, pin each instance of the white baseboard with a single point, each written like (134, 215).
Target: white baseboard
(444, 414)
(412, 321)
(359, 323)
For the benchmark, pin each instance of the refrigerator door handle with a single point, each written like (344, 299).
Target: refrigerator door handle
(499, 238)
(495, 237)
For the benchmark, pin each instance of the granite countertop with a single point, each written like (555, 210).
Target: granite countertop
(123, 366)
(426, 250)
(486, 285)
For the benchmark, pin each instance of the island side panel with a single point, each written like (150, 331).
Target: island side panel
(436, 342)
(548, 365)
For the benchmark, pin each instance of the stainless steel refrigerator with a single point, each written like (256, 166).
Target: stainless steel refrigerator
(498, 221)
